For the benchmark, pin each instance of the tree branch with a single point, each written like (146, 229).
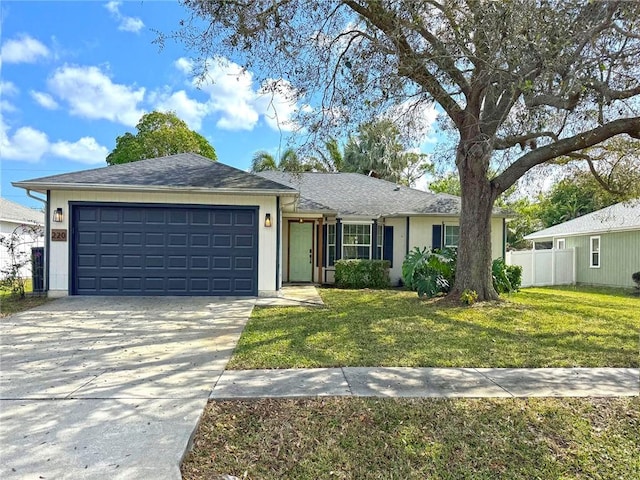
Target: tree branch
(630, 126)
(508, 142)
(410, 66)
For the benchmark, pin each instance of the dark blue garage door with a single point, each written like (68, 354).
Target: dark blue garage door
(164, 250)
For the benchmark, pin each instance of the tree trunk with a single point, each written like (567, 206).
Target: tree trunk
(473, 270)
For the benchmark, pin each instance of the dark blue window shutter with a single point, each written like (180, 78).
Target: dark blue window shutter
(387, 245)
(436, 234)
(324, 245)
(374, 241)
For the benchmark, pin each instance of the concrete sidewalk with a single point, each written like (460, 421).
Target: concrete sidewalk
(429, 382)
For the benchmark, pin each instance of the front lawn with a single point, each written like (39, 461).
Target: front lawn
(537, 327)
(355, 438)
(10, 304)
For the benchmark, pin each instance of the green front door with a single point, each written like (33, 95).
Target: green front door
(300, 252)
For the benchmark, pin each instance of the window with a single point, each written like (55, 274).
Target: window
(356, 241)
(561, 244)
(595, 252)
(331, 245)
(380, 240)
(451, 235)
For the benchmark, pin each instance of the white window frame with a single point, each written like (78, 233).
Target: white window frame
(597, 251)
(561, 244)
(444, 239)
(331, 244)
(356, 244)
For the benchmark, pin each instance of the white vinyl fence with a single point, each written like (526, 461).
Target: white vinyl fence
(545, 267)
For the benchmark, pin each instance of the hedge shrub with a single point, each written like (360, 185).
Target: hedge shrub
(362, 273)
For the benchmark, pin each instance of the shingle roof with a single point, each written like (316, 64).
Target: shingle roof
(184, 170)
(360, 195)
(621, 216)
(16, 213)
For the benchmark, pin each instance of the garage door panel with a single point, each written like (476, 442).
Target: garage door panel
(132, 239)
(200, 262)
(109, 284)
(199, 240)
(147, 250)
(154, 239)
(110, 216)
(177, 262)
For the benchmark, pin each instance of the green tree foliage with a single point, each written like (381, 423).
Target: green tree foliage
(329, 159)
(289, 162)
(519, 83)
(377, 151)
(447, 183)
(573, 197)
(159, 134)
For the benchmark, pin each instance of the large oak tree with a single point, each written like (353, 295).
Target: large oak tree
(521, 82)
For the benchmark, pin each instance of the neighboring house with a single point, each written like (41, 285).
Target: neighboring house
(12, 217)
(606, 243)
(184, 225)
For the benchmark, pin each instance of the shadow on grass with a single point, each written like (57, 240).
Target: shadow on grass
(387, 328)
(375, 438)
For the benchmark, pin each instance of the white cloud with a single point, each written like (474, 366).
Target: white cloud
(7, 89)
(91, 94)
(24, 49)
(85, 150)
(187, 109)
(44, 100)
(184, 65)
(234, 99)
(276, 101)
(126, 24)
(30, 145)
(231, 95)
(26, 144)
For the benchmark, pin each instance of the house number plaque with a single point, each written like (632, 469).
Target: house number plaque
(58, 234)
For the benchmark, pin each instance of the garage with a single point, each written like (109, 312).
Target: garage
(147, 249)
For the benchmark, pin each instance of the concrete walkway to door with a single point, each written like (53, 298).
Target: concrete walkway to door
(110, 388)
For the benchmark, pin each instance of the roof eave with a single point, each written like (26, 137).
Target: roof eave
(578, 234)
(43, 187)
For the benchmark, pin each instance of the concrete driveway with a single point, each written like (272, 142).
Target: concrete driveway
(97, 387)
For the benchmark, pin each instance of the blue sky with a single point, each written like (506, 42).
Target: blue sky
(75, 75)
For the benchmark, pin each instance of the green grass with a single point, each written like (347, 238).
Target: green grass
(350, 438)
(537, 327)
(10, 304)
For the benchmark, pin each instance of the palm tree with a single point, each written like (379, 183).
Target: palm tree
(289, 162)
(262, 161)
(329, 160)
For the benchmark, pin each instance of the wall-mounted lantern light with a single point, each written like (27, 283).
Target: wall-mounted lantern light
(267, 220)
(58, 216)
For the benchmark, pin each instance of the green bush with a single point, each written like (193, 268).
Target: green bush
(429, 272)
(432, 272)
(636, 279)
(506, 278)
(362, 273)
(514, 274)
